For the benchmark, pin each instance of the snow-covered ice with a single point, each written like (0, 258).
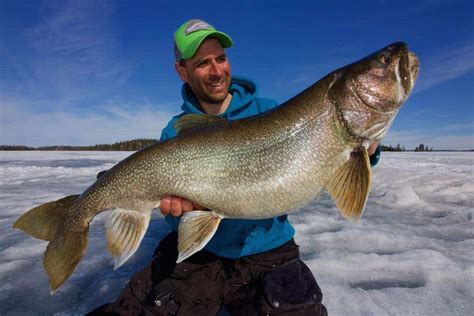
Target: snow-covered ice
(410, 254)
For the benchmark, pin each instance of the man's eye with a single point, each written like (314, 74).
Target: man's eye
(221, 59)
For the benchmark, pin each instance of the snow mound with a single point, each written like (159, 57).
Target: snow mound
(402, 196)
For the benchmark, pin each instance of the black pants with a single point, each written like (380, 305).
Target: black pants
(276, 282)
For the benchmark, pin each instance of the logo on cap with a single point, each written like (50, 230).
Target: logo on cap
(196, 25)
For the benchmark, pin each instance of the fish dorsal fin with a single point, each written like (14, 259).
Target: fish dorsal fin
(350, 185)
(193, 122)
(125, 231)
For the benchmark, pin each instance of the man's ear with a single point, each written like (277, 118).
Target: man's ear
(181, 70)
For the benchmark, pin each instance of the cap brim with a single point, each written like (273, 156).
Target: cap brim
(223, 38)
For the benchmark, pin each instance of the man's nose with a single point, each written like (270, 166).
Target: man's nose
(215, 69)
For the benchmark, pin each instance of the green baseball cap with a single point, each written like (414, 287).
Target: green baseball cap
(190, 35)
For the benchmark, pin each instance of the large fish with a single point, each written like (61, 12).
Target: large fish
(254, 168)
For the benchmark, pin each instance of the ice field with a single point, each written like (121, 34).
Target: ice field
(412, 253)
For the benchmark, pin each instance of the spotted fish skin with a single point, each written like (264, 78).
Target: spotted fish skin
(254, 168)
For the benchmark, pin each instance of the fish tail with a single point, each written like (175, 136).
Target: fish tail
(66, 247)
(62, 256)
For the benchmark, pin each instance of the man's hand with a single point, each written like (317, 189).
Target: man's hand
(373, 147)
(176, 206)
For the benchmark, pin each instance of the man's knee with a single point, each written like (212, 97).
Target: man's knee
(138, 296)
(291, 289)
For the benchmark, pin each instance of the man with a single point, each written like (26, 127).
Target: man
(250, 266)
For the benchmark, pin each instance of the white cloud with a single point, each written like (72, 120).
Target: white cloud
(71, 54)
(20, 126)
(445, 64)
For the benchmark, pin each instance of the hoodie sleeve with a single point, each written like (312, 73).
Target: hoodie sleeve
(265, 105)
(169, 131)
(374, 159)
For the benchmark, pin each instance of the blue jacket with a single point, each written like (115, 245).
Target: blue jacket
(237, 238)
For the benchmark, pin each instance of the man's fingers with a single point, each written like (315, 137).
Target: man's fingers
(197, 206)
(165, 205)
(171, 205)
(187, 206)
(371, 150)
(176, 206)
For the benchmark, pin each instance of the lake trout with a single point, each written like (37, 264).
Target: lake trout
(255, 168)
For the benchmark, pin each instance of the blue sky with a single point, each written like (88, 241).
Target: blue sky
(87, 72)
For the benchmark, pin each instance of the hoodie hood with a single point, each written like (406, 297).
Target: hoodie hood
(243, 91)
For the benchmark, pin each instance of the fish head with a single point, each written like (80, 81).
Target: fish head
(369, 92)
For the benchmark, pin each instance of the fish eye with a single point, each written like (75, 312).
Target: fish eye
(385, 59)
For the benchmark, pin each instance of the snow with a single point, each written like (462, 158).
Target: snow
(410, 254)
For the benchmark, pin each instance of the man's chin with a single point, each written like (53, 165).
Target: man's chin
(216, 99)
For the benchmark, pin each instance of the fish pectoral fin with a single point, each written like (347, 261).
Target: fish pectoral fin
(193, 122)
(350, 185)
(125, 231)
(195, 230)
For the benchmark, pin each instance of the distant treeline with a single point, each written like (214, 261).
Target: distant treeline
(128, 145)
(420, 147)
(391, 148)
(136, 144)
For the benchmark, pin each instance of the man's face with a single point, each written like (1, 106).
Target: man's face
(207, 72)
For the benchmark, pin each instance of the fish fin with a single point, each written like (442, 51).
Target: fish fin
(62, 256)
(43, 221)
(350, 185)
(66, 247)
(193, 122)
(125, 231)
(195, 230)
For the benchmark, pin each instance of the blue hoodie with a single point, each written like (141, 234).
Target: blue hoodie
(236, 238)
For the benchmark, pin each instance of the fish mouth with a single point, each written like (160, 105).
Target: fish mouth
(414, 67)
(407, 68)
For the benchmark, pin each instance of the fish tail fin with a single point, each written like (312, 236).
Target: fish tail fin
(350, 186)
(195, 230)
(43, 221)
(125, 231)
(62, 256)
(66, 247)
